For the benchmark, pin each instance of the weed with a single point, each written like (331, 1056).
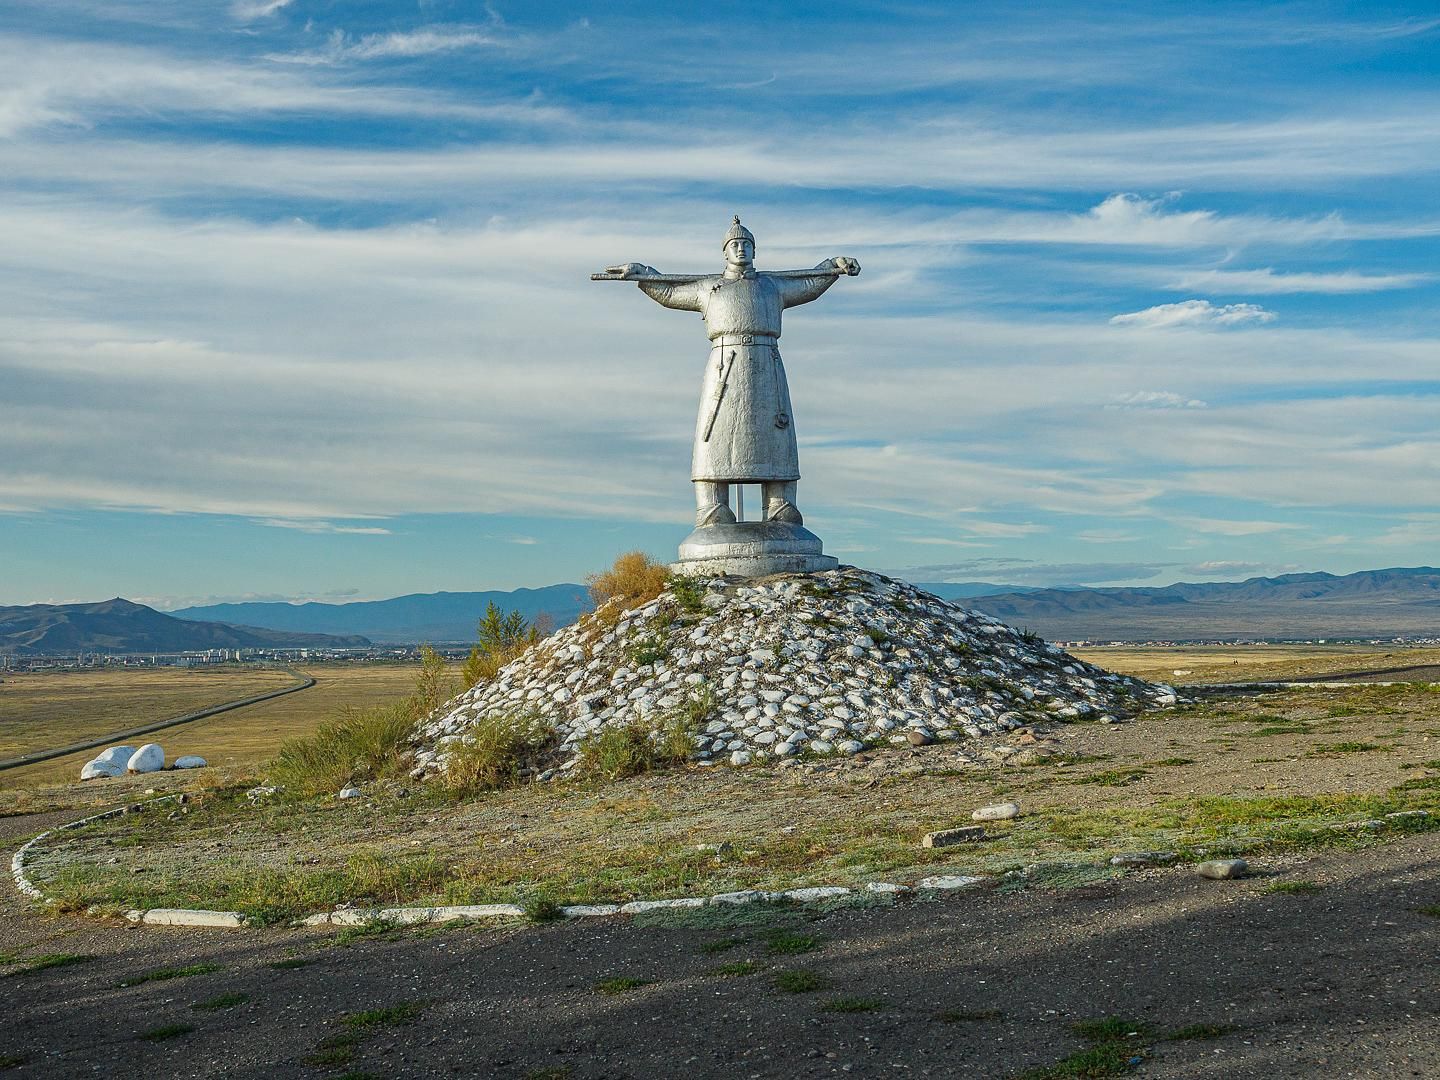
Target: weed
(960, 1016)
(370, 928)
(543, 908)
(1030, 637)
(642, 746)
(1280, 729)
(1117, 1045)
(720, 917)
(221, 1001)
(406, 1012)
(1294, 888)
(852, 1005)
(166, 1031)
(634, 579)
(800, 981)
(877, 635)
(496, 751)
(52, 960)
(337, 1049)
(689, 593)
(1433, 910)
(558, 1072)
(1326, 749)
(740, 967)
(292, 962)
(163, 974)
(788, 943)
(358, 744)
(650, 649)
(11, 1061)
(1199, 1031)
(721, 945)
(621, 984)
(1113, 777)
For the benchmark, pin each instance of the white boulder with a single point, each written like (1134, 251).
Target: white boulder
(149, 758)
(117, 755)
(190, 761)
(98, 769)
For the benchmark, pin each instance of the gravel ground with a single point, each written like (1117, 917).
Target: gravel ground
(1338, 982)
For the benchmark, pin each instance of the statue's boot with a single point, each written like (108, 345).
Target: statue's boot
(712, 504)
(780, 504)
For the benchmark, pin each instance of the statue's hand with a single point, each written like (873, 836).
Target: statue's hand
(847, 266)
(632, 270)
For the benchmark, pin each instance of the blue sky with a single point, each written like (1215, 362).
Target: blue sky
(294, 296)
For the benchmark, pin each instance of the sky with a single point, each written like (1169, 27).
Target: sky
(295, 298)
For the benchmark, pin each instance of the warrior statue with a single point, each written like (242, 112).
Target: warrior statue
(745, 430)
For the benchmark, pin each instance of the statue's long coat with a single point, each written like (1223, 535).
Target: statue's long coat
(745, 430)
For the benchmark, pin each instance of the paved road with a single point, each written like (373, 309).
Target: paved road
(115, 738)
(1339, 983)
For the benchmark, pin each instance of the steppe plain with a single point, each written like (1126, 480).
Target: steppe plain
(1318, 964)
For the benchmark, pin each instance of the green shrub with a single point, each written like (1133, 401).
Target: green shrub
(358, 744)
(689, 593)
(496, 752)
(641, 746)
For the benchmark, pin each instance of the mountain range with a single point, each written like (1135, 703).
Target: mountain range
(1401, 601)
(120, 626)
(433, 617)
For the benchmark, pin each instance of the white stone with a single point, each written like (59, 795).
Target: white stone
(740, 757)
(119, 755)
(636, 907)
(583, 911)
(745, 896)
(149, 758)
(100, 770)
(350, 791)
(190, 761)
(998, 812)
(886, 888)
(815, 892)
(949, 881)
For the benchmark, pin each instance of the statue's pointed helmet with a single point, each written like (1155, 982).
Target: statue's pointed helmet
(737, 232)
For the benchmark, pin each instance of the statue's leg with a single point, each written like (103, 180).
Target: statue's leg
(780, 503)
(712, 503)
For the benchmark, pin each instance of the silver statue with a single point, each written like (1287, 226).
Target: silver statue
(745, 431)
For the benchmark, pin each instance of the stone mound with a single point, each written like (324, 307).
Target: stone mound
(789, 665)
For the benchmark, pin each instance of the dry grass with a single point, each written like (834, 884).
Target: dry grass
(692, 831)
(1242, 663)
(231, 741)
(44, 709)
(634, 579)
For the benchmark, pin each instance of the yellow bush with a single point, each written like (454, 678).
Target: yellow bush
(634, 579)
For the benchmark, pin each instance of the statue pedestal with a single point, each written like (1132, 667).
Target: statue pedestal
(752, 549)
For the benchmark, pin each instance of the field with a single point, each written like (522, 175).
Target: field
(53, 708)
(1251, 663)
(230, 741)
(1268, 773)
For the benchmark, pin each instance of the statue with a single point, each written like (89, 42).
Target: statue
(745, 430)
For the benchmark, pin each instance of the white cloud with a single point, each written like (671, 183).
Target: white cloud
(1268, 281)
(1196, 313)
(425, 41)
(1226, 527)
(250, 10)
(1156, 399)
(316, 526)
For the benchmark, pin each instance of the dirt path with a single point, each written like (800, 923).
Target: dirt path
(1337, 982)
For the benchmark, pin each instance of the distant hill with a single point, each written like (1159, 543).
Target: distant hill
(1370, 603)
(119, 626)
(964, 590)
(441, 616)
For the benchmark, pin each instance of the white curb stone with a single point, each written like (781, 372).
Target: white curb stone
(745, 896)
(586, 911)
(816, 892)
(886, 888)
(636, 907)
(949, 881)
(188, 917)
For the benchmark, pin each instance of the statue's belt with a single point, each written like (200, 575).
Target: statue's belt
(725, 341)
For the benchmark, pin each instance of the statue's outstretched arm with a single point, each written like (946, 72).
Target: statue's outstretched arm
(799, 287)
(682, 295)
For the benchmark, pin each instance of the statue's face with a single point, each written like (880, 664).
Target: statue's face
(740, 252)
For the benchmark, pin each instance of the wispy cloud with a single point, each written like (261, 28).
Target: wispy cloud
(1269, 281)
(1195, 313)
(1155, 399)
(398, 45)
(305, 525)
(1225, 527)
(250, 10)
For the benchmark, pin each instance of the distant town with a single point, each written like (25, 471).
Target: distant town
(214, 657)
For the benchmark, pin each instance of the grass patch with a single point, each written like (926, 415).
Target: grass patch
(405, 1012)
(337, 1049)
(543, 908)
(291, 962)
(740, 967)
(558, 1072)
(852, 1005)
(358, 744)
(1113, 777)
(800, 981)
(689, 593)
(976, 1016)
(1117, 1046)
(52, 960)
(720, 917)
(221, 1001)
(165, 974)
(371, 928)
(166, 1031)
(788, 943)
(722, 945)
(1199, 1031)
(645, 745)
(1294, 888)
(1170, 762)
(11, 1061)
(620, 984)
(496, 752)
(1433, 910)
(1327, 749)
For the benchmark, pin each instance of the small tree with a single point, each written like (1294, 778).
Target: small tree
(500, 637)
(433, 686)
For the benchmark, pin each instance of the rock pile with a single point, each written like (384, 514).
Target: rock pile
(779, 667)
